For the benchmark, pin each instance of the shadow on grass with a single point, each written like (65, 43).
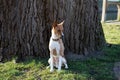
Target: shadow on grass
(98, 67)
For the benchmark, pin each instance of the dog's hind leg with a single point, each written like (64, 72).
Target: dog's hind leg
(49, 63)
(65, 62)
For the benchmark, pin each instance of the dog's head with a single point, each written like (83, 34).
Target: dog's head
(57, 28)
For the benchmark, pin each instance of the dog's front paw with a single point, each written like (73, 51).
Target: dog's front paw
(51, 70)
(59, 70)
(66, 67)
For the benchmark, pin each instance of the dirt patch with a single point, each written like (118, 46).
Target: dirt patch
(73, 56)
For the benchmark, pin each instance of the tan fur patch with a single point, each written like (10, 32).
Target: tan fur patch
(61, 48)
(55, 60)
(57, 28)
(54, 52)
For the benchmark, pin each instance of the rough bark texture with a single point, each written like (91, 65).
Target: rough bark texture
(25, 26)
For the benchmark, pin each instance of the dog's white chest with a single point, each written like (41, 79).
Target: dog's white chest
(54, 45)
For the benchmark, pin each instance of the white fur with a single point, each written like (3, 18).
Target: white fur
(57, 65)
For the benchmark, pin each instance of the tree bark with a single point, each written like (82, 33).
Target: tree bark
(25, 26)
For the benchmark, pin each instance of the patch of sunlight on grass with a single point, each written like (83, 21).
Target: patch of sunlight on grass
(27, 70)
(112, 33)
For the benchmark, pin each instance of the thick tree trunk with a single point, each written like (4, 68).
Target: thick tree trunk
(25, 26)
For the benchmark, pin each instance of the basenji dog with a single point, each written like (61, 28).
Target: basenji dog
(56, 47)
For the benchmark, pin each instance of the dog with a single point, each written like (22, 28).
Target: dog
(56, 47)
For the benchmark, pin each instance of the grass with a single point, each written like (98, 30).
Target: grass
(93, 68)
(112, 34)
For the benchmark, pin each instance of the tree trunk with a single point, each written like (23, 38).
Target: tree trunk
(25, 26)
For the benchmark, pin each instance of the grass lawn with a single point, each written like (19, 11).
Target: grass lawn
(93, 68)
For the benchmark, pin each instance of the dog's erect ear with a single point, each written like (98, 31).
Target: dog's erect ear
(61, 23)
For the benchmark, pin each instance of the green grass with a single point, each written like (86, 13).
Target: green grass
(93, 68)
(112, 33)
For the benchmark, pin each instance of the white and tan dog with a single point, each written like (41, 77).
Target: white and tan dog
(56, 48)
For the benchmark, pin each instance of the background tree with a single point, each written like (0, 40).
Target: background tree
(25, 26)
